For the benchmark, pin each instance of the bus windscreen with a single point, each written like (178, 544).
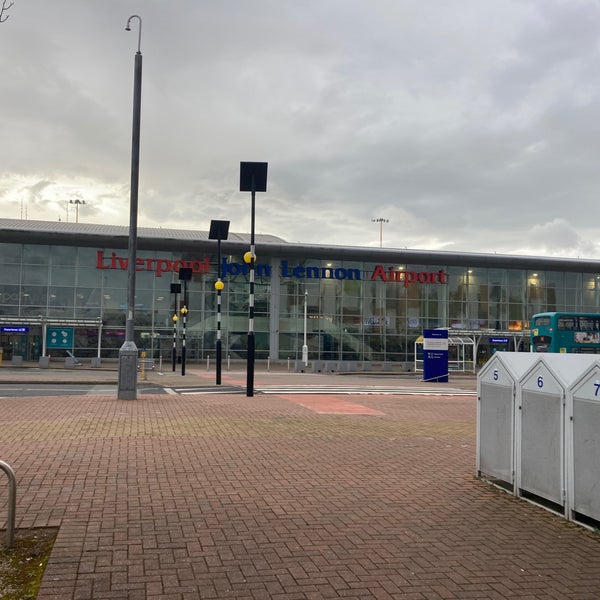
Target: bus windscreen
(566, 333)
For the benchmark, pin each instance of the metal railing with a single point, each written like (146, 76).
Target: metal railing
(12, 503)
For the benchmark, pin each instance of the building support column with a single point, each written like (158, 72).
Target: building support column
(274, 308)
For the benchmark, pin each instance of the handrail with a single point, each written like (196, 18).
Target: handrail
(12, 503)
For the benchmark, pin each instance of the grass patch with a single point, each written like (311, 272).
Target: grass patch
(22, 566)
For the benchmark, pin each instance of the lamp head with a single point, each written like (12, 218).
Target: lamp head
(128, 28)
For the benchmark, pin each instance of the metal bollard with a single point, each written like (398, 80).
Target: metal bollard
(12, 503)
(229, 362)
(208, 362)
(268, 363)
(288, 364)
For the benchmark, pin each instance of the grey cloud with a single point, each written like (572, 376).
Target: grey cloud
(467, 124)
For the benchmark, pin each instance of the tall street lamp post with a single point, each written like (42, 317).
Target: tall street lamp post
(127, 387)
(253, 178)
(219, 230)
(175, 290)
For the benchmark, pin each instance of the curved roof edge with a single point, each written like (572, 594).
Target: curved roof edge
(94, 229)
(115, 236)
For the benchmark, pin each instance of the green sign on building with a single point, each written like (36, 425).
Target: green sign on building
(59, 337)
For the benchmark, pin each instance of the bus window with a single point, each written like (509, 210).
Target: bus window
(541, 321)
(588, 324)
(567, 323)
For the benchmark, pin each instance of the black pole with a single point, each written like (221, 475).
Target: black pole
(184, 313)
(219, 230)
(175, 290)
(174, 340)
(185, 275)
(219, 350)
(253, 178)
(175, 317)
(251, 342)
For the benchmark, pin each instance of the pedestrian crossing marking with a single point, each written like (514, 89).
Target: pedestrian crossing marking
(324, 389)
(206, 389)
(364, 390)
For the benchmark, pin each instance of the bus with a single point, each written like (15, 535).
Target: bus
(565, 333)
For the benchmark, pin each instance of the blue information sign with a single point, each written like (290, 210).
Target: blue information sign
(435, 355)
(14, 329)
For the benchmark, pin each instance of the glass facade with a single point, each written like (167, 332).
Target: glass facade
(355, 310)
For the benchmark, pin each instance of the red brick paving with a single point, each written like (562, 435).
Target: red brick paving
(223, 496)
(330, 405)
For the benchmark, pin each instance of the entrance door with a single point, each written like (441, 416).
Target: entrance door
(7, 347)
(14, 345)
(34, 347)
(27, 346)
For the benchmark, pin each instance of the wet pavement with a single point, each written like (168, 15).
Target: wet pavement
(285, 495)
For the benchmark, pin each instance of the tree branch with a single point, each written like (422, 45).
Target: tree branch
(3, 9)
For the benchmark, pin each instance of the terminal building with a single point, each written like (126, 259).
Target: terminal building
(63, 288)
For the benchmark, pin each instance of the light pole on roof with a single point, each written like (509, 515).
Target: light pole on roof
(381, 221)
(77, 204)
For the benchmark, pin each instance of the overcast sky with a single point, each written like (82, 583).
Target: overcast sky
(471, 125)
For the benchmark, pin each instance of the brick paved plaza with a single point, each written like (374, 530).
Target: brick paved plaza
(222, 496)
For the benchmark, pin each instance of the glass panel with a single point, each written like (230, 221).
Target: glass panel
(60, 296)
(89, 277)
(63, 276)
(33, 310)
(113, 338)
(143, 318)
(114, 317)
(36, 255)
(62, 312)
(63, 255)
(11, 254)
(10, 274)
(88, 257)
(86, 342)
(35, 275)
(34, 295)
(88, 297)
(115, 278)
(144, 280)
(572, 280)
(114, 299)
(515, 277)
(143, 300)
(555, 279)
(9, 295)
